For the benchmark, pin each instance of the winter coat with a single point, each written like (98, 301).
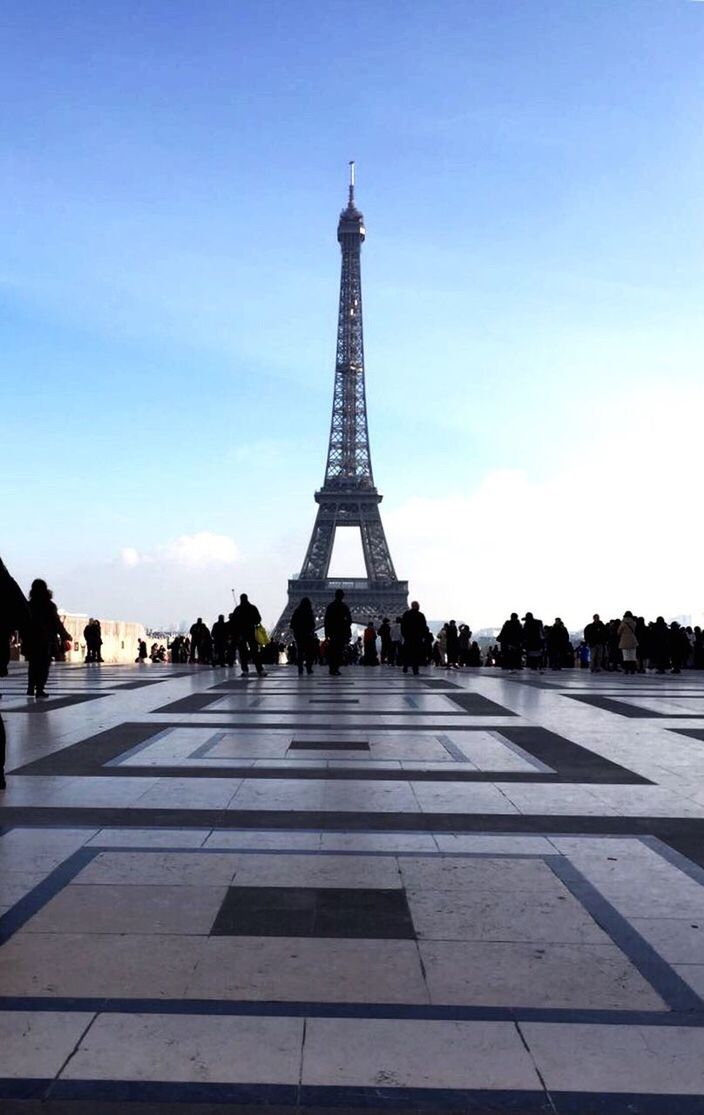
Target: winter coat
(558, 638)
(511, 634)
(14, 611)
(627, 639)
(338, 621)
(595, 634)
(303, 623)
(413, 626)
(245, 618)
(45, 627)
(533, 635)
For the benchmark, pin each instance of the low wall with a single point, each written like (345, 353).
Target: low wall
(119, 638)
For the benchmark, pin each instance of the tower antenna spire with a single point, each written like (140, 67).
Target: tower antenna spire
(351, 181)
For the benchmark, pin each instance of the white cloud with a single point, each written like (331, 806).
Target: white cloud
(617, 525)
(202, 549)
(129, 557)
(195, 551)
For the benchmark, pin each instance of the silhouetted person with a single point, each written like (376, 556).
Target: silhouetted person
(338, 630)
(679, 647)
(659, 640)
(14, 616)
(231, 640)
(595, 636)
(511, 643)
(45, 630)
(643, 648)
(93, 636)
(244, 621)
(142, 653)
(452, 646)
(396, 642)
(220, 633)
(558, 645)
(387, 647)
(205, 647)
(533, 641)
(303, 627)
(464, 636)
(198, 633)
(414, 630)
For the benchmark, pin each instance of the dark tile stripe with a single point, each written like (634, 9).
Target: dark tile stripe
(242, 1098)
(669, 985)
(669, 829)
(609, 704)
(194, 702)
(90, 755)
(567, 757)
(577, 1103)
(475, 704)
(19, 914)
(309, 1009)
(40, 705)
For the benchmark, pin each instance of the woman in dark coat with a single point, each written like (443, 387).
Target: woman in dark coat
(45, 630)
(303, 627)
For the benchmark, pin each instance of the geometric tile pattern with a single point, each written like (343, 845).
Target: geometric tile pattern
(468, 893)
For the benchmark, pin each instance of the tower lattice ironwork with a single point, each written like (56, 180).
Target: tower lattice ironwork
(348, 497)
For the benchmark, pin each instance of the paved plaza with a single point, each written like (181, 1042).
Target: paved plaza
(463, 891)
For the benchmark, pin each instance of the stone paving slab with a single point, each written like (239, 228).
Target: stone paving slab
(470, 892)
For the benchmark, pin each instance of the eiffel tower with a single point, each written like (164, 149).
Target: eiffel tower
(348, 497)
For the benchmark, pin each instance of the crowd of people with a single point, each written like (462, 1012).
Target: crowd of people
(629, 645)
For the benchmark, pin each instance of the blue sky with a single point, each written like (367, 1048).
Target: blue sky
(531, 175)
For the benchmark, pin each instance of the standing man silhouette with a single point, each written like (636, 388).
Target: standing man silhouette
(244, 622)
(338, 630)
(414, 629)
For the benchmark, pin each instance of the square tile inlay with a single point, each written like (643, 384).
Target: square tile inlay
(328, 745)
(333, 701)
(314, 912)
